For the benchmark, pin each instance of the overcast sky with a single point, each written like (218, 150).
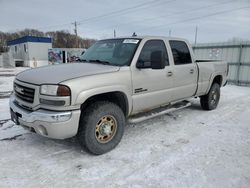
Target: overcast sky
(217, 20)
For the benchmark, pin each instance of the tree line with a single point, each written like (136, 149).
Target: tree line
(60, 39)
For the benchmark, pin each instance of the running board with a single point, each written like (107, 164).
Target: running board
(158, 112)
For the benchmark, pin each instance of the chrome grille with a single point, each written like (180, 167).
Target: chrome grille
(24, 93)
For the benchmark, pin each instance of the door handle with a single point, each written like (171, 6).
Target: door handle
(170, 73)
(191, 71)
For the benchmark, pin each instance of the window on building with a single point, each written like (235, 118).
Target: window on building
(180, 52)
(16, 49)
(25, 48)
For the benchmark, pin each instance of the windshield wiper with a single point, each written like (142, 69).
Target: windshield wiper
(100, 61)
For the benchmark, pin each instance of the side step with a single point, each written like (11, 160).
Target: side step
(158, 112)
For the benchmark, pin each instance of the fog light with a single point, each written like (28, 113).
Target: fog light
(62, 117)
(52, 102)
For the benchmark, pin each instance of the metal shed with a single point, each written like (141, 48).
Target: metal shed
(236, 54)
(30, 50)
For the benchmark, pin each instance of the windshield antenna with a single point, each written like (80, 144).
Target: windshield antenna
(134, 34)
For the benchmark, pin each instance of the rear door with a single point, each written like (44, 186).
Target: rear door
(151, 87)
(185, 72)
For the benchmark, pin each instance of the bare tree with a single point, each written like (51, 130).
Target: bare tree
(60, 39)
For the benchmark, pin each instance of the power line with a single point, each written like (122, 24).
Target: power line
(173, 14)
(117, 12)
(182, 12)
(179, 13)
(199, 17)
(162, 25)
(52, 26)
(105, 15)
(121, 11)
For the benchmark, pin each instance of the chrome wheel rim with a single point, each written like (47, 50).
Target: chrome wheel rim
(105, 129)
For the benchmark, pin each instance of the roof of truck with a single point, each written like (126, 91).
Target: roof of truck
(149, 37)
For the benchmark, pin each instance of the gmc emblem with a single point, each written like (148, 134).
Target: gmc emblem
(19, 90)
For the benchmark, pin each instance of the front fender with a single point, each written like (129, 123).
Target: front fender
(86, 94)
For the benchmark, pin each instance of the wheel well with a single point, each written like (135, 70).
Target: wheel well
(218, 79)
(116, 97)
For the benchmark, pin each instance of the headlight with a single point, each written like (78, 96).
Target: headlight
(55, 90)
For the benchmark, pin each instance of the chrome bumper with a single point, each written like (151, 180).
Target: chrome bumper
(53, 124)
(39, 115)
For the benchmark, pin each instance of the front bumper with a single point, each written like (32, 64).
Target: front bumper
(52, 124)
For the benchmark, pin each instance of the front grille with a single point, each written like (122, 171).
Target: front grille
(22, 106)
(24, 93)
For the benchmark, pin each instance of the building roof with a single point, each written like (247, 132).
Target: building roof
(29, 39)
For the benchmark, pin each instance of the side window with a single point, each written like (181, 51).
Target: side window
(25, 48)
(180, 52)
(149, 47)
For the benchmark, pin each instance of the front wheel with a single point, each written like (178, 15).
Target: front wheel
(211, 100)
(101, 127)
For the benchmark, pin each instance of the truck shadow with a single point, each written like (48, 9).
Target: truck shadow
(195, 106)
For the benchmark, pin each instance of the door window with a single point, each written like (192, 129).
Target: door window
(180, 52)
(149, 47)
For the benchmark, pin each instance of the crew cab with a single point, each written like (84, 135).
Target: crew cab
(116, 80)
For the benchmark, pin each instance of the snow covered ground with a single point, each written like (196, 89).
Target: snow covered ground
(186, 148)
(7, 76)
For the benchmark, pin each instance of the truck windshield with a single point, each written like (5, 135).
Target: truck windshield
(118, 52)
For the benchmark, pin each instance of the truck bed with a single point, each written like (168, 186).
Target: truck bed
(207, 69)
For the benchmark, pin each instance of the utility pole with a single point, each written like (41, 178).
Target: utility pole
(169, 33)
(75, 30)
(196, 32)
(114, 34)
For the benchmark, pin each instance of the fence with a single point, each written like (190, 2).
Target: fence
(6, 60)
(1, 60)
(236, 54)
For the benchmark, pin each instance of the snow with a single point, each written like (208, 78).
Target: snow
(6, 83)
(12, 71)
(9, 130)
(7, 77)
(4, 109)
(186, 148)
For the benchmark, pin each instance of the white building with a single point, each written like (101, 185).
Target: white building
(30, 51)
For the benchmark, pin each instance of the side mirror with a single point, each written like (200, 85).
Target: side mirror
(157, 60)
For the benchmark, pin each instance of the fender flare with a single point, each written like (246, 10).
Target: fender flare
(212, 80)
(86, 94)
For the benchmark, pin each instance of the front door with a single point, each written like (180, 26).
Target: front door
(151, 88)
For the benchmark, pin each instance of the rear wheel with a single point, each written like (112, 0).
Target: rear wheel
(101, 127)
(211, 100)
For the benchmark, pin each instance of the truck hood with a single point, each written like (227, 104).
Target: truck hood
(57, 73)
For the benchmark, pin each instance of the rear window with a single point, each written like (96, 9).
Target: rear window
(180, 52)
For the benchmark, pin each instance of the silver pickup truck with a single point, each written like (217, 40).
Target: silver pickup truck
(116, 80)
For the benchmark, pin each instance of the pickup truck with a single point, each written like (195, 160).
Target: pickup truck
(116, 80)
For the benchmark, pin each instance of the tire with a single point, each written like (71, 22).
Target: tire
(211, 100)
(101, 127)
